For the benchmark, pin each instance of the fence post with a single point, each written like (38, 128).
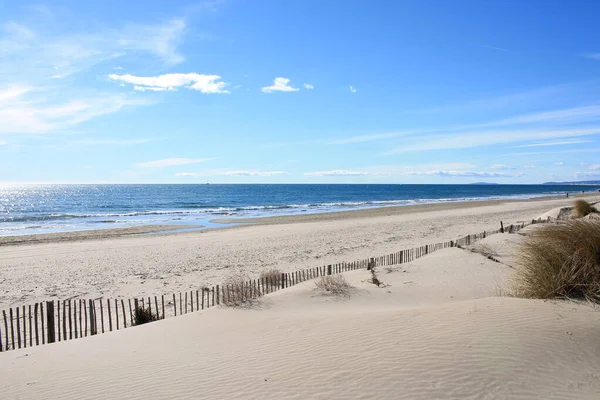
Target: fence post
(50, 321)
(329, 269)
(501, 227)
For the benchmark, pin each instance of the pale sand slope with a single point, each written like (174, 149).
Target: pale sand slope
(432, 334)
(151, 265)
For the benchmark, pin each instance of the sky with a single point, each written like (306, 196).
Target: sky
(257, 91)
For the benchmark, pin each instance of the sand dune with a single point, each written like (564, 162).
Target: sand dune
(434, 332)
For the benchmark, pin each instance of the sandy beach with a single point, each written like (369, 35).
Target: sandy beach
(441, 326)
(117, 264)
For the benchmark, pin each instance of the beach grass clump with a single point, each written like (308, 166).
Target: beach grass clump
(334, 284)
(561, 260)
(237, 289)
(143, 316)
(582, 208)
(272, 275)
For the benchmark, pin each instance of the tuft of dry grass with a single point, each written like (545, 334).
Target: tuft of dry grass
(581, 208)
(143, 316)
(561, 260)
(335, 284)
(237, 289)
(272, 275)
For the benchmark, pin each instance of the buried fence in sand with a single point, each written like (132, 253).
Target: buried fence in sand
(56, 320)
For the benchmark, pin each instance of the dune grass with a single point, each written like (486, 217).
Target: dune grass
(582, 208)
(561, 260)
(272, 275)
(334, 284)
(143, 316)
(237, 289)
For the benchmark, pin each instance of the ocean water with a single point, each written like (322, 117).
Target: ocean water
(31, 209)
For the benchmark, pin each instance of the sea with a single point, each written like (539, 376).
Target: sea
(33, 209)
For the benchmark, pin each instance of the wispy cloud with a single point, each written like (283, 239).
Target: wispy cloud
(472, 174)
(575, 115)
(352, 89)
(280, 85)
(594, 167)
(38, 55)
(2, 143)
(495, 48)
(476, 138)
(162, 40)
(339, 172)
(556, 143)
(537, 153)
(170, 162)
(530, 166)
(200, 82)
(502, 166)
(231, 173)
(109, 142)
(254, 173)
(593, 56)
(559, 163)
(308, 86)
(524, 99)
(37, 111)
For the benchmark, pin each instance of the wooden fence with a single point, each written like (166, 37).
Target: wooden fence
(60, 320)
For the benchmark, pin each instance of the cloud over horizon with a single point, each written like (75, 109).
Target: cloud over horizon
(170, 162)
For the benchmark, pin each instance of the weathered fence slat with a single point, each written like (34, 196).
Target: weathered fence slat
(5, 330)
(109, 314)
(37, 338)
(124, 314)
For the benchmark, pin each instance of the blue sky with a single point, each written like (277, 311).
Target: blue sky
(238, 91)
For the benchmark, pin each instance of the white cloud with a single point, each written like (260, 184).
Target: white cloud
(2, 143)
(231, 172)
(308, 86)
(502, 166)
(339, 172)
(200, 82)
(594, 167)
(556, 143)
(352, 89)
(530, 166)
(169, 162)
(559, 163)
(469, 174)
(280, 85)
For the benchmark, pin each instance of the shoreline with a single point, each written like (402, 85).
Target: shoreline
(126, 263)
(90, 234)
(233, 222)
(391, 210)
